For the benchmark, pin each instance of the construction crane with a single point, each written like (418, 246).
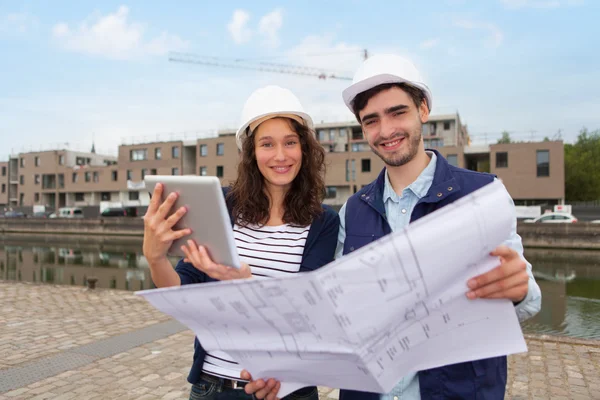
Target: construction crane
(320, 73)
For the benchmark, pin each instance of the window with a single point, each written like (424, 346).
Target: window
(157, 153)
(36, 197)
(343, 132)
(3, 171)
(61, 160)
(543, 163)
(203, 150)
(133, 196)
(322, 133)
(353, 171)
(81, 161)
(74, 177)
(447, 125)
(175, 152)
(174, 171)
(144, 173)
(220, 149)
(502, 159)
(330, 192)
(61, 181)
(22, 162)
(432, 129)
(452, 159)
(219, 171)
(96, 176)
(21, 198)
(348, 170)
(114, 175)
(138, 155)
(105, 196)
(203, 171)
(88, 176)
(332, 135)
(22, 180)
(79, 196)
(36, 179)
(365, 165)
(153, 171)
(129, 174)
(4, 188)
(37, 161)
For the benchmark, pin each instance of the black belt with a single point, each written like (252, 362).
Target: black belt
(226, 383)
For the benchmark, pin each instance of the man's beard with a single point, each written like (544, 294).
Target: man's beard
(403, 155)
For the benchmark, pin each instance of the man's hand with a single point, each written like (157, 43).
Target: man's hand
(260, 389)
(507, 281)
(199, 257)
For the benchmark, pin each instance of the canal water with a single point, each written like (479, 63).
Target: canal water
(570, 280)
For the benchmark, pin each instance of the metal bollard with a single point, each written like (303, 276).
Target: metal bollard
(91, 282)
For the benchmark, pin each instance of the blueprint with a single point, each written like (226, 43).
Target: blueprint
(395, 306)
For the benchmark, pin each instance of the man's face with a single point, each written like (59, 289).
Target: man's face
(391, 124)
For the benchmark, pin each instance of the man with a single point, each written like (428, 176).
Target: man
(391, 102)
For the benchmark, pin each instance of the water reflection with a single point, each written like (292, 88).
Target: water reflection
(114, 267)
(570, 280)
(570, 283)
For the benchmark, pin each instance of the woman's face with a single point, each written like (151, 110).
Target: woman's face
(278, 152)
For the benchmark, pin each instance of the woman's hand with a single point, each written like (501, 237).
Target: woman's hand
(158, 229)
(199, 257)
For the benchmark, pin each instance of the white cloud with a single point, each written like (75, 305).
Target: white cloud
(495, 37)
(269, 26)
(18, 23)
(430, 43)
(324, 52)
(114, 36)
(237, 27)
(515, 4)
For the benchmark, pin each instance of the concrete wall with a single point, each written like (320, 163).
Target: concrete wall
(580, 235)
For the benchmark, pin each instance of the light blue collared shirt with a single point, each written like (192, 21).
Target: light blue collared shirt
(398, 209)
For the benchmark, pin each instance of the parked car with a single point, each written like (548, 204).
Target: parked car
(119, 212)
(68, 212)
(596, 221)
(14, 214)
(553, 218)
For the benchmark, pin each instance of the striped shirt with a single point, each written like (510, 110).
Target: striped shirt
(270, 251)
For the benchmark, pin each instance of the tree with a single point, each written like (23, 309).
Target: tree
(505, 138)
(582, 167)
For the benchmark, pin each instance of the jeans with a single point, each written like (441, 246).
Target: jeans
(204, 390)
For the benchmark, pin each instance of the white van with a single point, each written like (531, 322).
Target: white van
(69, 212)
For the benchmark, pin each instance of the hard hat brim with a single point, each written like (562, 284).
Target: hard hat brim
(350, 93)
(240, 135)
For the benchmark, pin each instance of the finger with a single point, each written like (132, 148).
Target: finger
(195, 255)
(173, 219)
(165, 207)
(504, 252)
(205, 259)
(174, 235)
(262, 393)
(502, 271)
(501, 286)
(273, 394)
(155, 200)
(254, 386)
(516, 294)
(245, 375)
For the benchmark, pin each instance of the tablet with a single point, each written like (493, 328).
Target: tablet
(207, 215)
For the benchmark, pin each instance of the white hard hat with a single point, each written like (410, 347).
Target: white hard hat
(381, 69)
(270, 102)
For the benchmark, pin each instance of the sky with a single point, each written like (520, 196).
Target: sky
(73, 73)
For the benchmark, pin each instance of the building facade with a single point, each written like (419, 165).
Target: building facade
(532, 172)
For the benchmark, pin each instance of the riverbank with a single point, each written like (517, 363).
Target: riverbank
(66, 342)
(579, 236)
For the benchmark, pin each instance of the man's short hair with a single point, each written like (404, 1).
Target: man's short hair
(361, 99)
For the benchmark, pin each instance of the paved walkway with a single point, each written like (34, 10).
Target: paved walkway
(64, 342)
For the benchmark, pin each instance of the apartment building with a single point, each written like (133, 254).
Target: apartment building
(532, 172)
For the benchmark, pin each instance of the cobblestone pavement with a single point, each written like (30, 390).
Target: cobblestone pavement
(53, 328)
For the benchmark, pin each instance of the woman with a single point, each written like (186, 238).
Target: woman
(280, 227)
